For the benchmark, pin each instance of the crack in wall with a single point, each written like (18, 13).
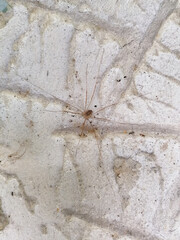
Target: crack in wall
(29, 201)
(117, 227)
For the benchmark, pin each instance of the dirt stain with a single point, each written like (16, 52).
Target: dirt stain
(4, 221)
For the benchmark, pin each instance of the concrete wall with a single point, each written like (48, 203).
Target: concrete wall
(90, 120)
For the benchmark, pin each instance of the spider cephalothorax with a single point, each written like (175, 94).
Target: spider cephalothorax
(87, 114)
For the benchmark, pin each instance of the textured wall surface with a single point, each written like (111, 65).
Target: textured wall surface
(90, 120)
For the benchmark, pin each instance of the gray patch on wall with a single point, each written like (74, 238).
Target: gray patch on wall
(3, 6)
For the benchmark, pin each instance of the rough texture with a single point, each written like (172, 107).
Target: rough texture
(90, 120)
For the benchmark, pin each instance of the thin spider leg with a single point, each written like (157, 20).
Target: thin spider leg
(56, 98)
(106, 107)
(99, 144)
(122, 125)
(92, 127)
(73, 160)
(94, 90)
(86, 89)
(62, 111)
(83, 127)
(103, 119)
(90, 123)
(108, 120)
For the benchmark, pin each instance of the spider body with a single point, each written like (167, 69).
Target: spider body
(87, 114)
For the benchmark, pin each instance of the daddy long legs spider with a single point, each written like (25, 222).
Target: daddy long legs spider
(88, 113)
(86, 120)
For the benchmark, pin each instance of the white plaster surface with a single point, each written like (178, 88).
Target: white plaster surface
(116, 174)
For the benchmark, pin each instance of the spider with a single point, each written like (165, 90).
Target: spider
(86, 113)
